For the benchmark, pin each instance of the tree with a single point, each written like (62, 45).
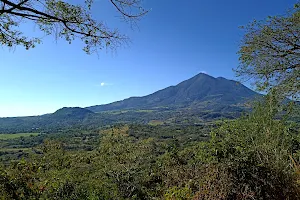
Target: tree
(254, 156)
(64, 20)
(270, 53)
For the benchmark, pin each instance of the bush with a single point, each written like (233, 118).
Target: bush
(252, 156)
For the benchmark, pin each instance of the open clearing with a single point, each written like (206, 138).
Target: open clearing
(16, 135)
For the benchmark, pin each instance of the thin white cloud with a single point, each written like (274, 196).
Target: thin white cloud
(102, 84)
(204, 72)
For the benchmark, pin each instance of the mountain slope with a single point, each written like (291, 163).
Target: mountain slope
(199, 99)
(71, 113)
(200, 89)
(62, 118)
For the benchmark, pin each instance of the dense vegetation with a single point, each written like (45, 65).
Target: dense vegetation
(253, 157)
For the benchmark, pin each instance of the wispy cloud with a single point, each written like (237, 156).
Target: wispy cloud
(102, 84)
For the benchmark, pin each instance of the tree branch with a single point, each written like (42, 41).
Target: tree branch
(13, 7)
(19, 7)
(66, 20)
(125, 14)
(51, 18)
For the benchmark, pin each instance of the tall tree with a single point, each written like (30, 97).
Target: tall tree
(64, 20)
(270, 53)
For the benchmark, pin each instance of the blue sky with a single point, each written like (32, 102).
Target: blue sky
(175, 41)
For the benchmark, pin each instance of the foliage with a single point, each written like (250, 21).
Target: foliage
(270, 53)
(254, 154)
(176, 193)
(64, 20)
(254, 157)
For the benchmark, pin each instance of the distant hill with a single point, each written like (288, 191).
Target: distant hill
(71, 113)
(202, 91)
(62, 118)
(194, 101)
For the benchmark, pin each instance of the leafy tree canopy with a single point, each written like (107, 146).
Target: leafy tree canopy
(64, 20)
(270, 53)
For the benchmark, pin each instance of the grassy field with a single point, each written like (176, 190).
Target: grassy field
(156, 122)
(16, 135)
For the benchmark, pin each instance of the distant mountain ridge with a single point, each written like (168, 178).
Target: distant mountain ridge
(197, 100)
(201, 88)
